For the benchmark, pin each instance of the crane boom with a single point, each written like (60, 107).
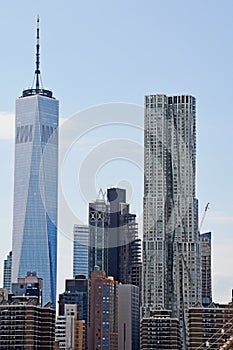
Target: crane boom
(203, 217)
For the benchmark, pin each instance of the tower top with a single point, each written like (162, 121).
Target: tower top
(37, 71)
(38, 89)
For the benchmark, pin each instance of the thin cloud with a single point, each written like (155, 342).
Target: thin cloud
(7, 129)
(7, 122)
(218, 217)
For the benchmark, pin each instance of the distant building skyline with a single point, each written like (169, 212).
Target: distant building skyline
(191, 75)
(34, 238)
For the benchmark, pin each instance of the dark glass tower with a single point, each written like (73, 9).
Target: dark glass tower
(98, 234)
(34, 246)
(114, 245)
(124, 244)
(7, 272)
(206, 276)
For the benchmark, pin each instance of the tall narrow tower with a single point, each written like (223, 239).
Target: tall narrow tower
(35, 185)
(171, 244)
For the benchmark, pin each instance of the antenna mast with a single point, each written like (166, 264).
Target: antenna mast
(37, 71)
(38, 90)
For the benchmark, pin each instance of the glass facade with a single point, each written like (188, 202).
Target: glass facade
(80, 250)
(206, 275)
(7, 272)
(35, 191)
(98, 235)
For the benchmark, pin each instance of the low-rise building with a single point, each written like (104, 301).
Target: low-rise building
(26, 325)
(160, 331)
(70, 332)
(210, 325)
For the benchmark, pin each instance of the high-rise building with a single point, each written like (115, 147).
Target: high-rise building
(124, 244)
(7, 272)
(98, 234)
(171, 243)
(103, 330)
(34, 244)
(206, 275)
(113, 237)
(128, 317)
(116, 198)
(80, 250)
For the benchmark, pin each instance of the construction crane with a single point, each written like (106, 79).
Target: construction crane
(203, 217)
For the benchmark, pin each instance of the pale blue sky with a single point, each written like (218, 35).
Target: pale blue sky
(95, 52)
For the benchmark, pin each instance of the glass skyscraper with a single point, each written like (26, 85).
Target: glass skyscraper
(80, 250)
(98, 234)
(171, 243)
(34, 246)
(206, 275)
(7, 272)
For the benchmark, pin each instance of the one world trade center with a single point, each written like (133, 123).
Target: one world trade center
(34, 244)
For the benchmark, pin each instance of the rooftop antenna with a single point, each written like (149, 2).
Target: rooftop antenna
(38, 90)
(37, 71)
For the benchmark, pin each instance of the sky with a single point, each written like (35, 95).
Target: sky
(96, 53)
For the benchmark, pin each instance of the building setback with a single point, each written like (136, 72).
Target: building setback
(171, 243)
(34, 242)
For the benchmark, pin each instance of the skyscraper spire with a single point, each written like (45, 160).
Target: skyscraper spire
(37, 71)
(37, 89)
